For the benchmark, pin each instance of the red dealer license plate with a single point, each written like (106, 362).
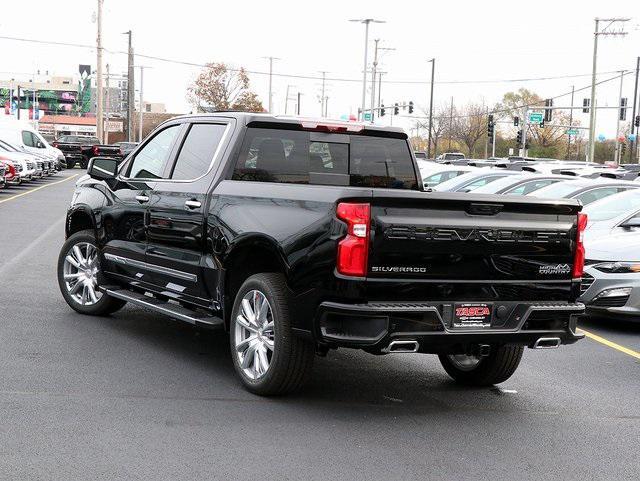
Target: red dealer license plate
(471, 314)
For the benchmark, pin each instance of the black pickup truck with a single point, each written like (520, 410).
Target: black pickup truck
(300, 236)
(79, 149)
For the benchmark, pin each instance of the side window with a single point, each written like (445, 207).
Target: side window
(197, 151)
(27, 139)
(151, 160)
(270, 155)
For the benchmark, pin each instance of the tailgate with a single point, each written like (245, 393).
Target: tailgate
(462, 237)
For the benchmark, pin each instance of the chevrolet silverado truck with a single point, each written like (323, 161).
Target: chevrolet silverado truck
(80, 149)
(300, 236)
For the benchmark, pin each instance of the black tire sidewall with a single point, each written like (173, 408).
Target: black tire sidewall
(280, 311)
(105, 304)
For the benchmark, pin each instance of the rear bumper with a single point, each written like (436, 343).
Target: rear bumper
(373, 326)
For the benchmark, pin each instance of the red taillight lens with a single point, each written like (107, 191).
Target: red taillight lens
(353, 250)
(55, 145)
(95, 150)
(578, 260)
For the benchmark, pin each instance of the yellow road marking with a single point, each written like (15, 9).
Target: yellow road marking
(613, 345)
(37, 188)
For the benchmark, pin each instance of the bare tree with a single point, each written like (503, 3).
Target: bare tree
(469, 125)
(218, 87)
(439, 126)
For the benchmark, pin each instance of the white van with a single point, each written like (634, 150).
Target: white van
(22, 135)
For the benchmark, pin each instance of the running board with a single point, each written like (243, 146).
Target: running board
(167, 308)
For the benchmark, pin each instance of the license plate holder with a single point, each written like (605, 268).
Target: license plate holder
(472, 314)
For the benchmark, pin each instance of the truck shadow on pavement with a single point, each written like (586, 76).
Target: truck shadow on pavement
(345, 377)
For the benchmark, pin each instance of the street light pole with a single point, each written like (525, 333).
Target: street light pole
(618, 144)
(141, 101)
(270, 100)
(366, 22)
(634, 142)
(373, 78)
(433, 72)
(99, 93)
(592, 112)
(130, 88)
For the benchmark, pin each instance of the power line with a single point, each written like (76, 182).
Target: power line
(310, 77)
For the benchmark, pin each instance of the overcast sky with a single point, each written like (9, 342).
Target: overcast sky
(471, 40)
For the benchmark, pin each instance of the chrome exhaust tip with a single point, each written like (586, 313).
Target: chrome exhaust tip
(401, 346)
(547, 343)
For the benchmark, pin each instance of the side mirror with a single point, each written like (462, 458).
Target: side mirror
(102, 168)
(634, 222)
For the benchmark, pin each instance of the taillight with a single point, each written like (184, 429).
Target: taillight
(353, 250)
(55, 144)
(578, 259)
(95, 150)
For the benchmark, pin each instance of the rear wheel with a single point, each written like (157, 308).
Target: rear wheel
(269, 359)
(79, 275)
(71, 164)
(472, 370)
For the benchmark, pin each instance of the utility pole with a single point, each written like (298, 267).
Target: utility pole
(525, 124)
(373, 78)
(270, 101)
(142, 67)
(99, 92)
(486, 138)
(634, 142)
(592, 112)
(379, 87)
(130, 89)
(433, 73)
(618, 143)
(450, 123)
(366, 22)
(568, 156)
(106, 113)
(322, 97)
(298, 104)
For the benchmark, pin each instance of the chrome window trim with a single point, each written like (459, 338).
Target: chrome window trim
(216, 155)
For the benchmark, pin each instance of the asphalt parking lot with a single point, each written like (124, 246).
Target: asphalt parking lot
(138, 396)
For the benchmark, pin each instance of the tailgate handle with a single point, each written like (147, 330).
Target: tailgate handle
(484, 209)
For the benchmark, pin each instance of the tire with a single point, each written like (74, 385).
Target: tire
(289, 358)
(495, 368)
(78, 296)
(71, 164)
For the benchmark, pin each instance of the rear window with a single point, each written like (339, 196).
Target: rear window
(300, 157)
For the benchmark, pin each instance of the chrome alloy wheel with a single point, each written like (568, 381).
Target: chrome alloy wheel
(464, 362)
(81, 274)
(254, 334)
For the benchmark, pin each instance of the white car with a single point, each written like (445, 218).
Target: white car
(11, 152)
(25, 138)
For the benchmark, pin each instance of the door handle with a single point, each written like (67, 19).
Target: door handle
(142, 198)
(193, 204)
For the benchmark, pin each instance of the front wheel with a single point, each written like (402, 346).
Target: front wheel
(472, 370)
(269, 359)
(79, 275)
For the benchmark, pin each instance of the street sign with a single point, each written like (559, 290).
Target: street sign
(535, 117)
(367, 116)
(571, 132)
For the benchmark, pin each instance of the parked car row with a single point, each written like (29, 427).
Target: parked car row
(611, 282)
(80, 149)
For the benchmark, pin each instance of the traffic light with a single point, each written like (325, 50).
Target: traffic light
(519, 137)
(623, 109)
(636, 122)
(585, 105)
(382, 110)
(396, 109)
(490, 127)
(548, 112)
(516, 121)
(410, 107)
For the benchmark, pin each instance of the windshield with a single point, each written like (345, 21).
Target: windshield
(439, 177)
(613, 206)
(467, 179)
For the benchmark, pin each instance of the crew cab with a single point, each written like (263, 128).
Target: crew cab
(79, 149)
(299, 236)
